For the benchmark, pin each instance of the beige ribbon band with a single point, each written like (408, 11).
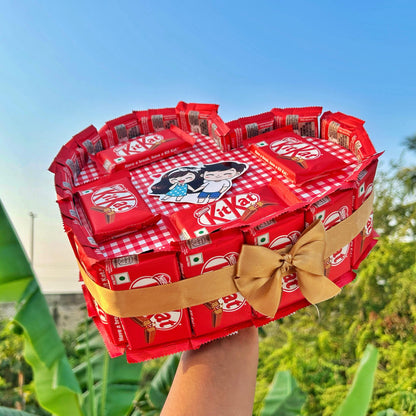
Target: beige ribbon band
(258, 275)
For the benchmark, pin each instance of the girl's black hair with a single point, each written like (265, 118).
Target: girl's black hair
(162, 187)
(221, 166)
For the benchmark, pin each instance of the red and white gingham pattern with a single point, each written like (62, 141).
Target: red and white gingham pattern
(205, 152)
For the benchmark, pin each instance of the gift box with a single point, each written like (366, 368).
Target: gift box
(217, 238)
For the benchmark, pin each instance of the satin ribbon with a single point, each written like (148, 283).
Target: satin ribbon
(258, 275)
(260, 271)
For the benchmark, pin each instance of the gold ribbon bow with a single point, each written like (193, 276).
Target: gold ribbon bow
(260, 271)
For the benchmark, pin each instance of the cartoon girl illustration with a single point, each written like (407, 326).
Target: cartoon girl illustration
(218, 179)
(177, 183)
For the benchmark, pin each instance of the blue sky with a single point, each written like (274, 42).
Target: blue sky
(66, 65)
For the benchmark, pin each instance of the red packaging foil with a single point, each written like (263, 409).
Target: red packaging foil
(236, 134)
(143, 271)
(121, 129)
(280, 233)
(255, 125)
(110, 324)
(91, 141)
(298, 159)
(304, 120)
(366, 240)
(234, 211)
(331, 210)
(71, 156)
(219, 132)
(193, 117)
(64, 183)
(348, 132)
(207, 253)
(113, 207)
(144, 150)
(162, 118)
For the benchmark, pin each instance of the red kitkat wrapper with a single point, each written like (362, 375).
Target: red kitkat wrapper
(162, 118)
(208, 253)
(91, 141)
(236, 134)
(113, 207)
(144, 150)
(122, 129)
(234, 211)
(255, 125)
(280, 233)
(193, 117)
(298, 159)
(331, 210)
(219, 132)
(348, 132)
(142, 271)
(304, 119)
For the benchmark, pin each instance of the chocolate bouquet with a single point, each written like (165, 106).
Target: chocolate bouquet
(187, 228)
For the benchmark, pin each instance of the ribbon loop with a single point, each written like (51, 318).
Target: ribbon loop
(260, 271)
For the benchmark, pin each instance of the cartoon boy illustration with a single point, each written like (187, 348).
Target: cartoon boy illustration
(217, 179)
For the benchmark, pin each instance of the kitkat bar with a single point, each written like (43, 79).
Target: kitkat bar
(331, 210)
(121, 129)
(163, 118)
(208, 253)
(280, 233)
(110, 324)
(234, 211)
(303, 119)
(348, 132)
(219, 132)
(366, 239)
(193, 117)
(114, 207)
(255, 125)
(64, 183)
(236, 134)
(90, 140)
(297, 158)
(144, 270)
(144, 150)
(71, 156)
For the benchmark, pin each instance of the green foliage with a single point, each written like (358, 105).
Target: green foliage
(359, 395)
(284, 398)
(109, 385)
(5, 411)
(55, 384)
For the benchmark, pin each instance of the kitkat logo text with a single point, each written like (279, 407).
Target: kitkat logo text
(161, 321)
(225, 210)
(232, 302)
(116, 197)
(291, 148)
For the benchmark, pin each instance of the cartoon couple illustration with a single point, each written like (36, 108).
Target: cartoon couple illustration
(197, 185)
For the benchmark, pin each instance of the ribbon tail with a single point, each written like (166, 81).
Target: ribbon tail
(316, 288)
(265, 297)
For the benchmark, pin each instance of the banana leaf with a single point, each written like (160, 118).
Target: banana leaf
(56, 387)
(162, 382)
(284, 397)
(359, 395)
(110, 384)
